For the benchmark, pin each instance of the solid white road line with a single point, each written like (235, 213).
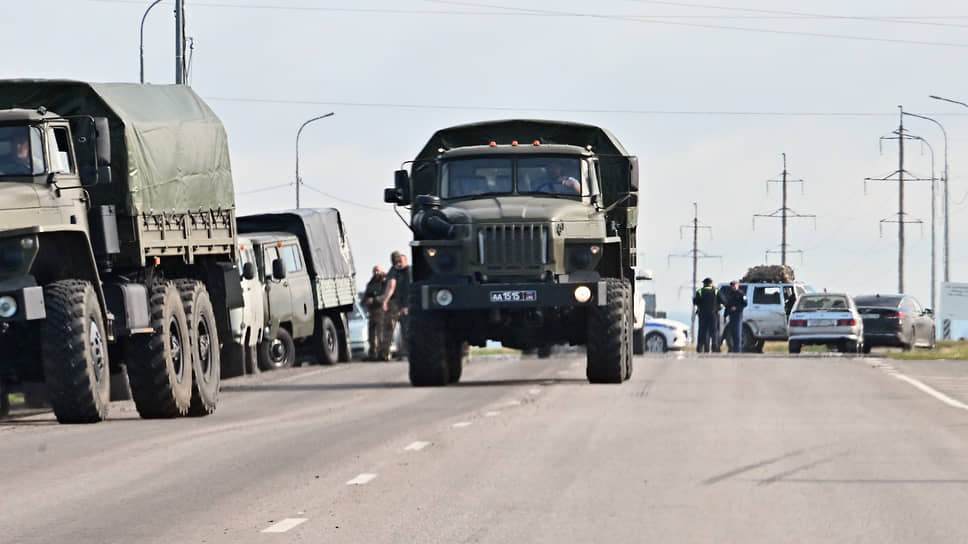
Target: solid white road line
(362, 479)
(461, 424)
(284, 525)
(492, 414)
(931, 391)
(417, 446)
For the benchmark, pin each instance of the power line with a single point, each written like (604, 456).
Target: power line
(784, 212)
(648, 19)
(709, 25)
(472, 107)
(263, 189)
(343, 200)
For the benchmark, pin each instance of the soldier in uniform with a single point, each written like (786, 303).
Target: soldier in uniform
(373, 302)
(395, 301)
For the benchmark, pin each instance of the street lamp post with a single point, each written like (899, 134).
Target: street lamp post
(142, 42)
(298, 133)
(933, 220)
(947, 239)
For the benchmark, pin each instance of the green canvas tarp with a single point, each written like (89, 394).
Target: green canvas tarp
(169, 149)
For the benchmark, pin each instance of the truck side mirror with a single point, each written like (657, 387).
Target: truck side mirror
(400, 193)
(278, 269)
(103, 143)
(248, 271)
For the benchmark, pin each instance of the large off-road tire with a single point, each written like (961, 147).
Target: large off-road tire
(74, 352)
(277, 353)
(4, 401)
(160, 369)
(609, 335)
(345, 350)
(456, 354)
(428, 349)
(205, 347)
(638, 341)
(544, 351)
(327, 342)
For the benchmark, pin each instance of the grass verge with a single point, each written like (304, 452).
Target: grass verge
(946, 349)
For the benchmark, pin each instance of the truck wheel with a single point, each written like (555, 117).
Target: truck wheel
(638, 341)
(456, 352)
(544, 351)
(74, 352)
(428, 350)
(4, 402)
(328, 341)
(345, 350)
(630, 339)
(160, 369)
(205, 350)
(279, 352)
(608, 335)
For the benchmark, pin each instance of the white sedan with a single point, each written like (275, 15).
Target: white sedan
(661, 335)
(826, 318)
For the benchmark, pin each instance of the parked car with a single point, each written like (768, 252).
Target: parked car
(765, 316)
(895, 320)
(663, 335)
(359, 331)
(826, 318)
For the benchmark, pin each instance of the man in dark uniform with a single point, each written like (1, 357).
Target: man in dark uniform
(395, 301)
(733, 300)
(374, 306)
(707, 307)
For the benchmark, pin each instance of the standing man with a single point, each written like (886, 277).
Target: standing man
(707, 306)
(733, 301)
(395, 301)
(374, 306)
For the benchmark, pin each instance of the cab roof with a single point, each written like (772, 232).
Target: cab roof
(521, 149)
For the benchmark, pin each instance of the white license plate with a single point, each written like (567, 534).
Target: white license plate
(822, 323)
(514, 296)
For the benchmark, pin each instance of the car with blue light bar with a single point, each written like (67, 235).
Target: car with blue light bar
(829, 319)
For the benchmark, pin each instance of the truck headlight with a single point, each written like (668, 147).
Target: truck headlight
(444, 297)
(583, 294)
(8, 307)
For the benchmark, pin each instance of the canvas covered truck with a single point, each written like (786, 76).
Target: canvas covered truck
(306, 265)
(117, 245)
(523, 233)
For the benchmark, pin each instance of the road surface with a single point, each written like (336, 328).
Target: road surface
(692, 449)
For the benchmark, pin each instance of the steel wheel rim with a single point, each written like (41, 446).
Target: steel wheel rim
(204, 347)
(97, 351)
(175, 346)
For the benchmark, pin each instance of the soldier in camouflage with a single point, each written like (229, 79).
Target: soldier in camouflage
(373, 303)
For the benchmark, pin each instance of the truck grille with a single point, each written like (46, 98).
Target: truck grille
(512, 247)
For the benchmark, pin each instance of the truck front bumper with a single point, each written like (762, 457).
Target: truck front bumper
(509, 295)
(23, 299)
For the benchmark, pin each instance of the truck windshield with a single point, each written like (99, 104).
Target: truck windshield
(21, 151)
(493, 176)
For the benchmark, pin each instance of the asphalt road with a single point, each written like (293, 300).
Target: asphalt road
(711, 449)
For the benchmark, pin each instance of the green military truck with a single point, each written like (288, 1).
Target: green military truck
(306, 265)
(118, 245)
(524, 233)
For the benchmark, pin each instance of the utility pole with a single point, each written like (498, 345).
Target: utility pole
(180, 42)
(784, 213)
(900, 135)
(695, 254)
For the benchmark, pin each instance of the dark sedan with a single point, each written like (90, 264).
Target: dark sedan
(895, 320)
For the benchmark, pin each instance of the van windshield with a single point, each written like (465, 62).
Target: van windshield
(21, 151)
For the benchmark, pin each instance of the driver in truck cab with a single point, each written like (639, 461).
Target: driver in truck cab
(557, 181)
(16, 160)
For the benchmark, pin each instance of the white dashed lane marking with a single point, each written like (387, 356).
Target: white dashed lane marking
(284, 525)
(362, 479)
(461, 424)
(534, 391)
(417, 446)
(514, 403)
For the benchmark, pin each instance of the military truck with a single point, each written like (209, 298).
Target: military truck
(305, 262)
(524, 233)
(117, 245)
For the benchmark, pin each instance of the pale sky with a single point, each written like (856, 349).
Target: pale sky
(708, 94)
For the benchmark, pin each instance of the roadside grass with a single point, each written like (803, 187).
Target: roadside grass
(494, 351)
(16, 398)
(946, 349)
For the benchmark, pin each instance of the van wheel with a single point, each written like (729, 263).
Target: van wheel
(750, 341)
(327, 341)
(205, 350)
(609, 335)
(280, 352)
(74, 351)
(160, 367)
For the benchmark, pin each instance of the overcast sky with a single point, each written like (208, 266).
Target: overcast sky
(707, 94)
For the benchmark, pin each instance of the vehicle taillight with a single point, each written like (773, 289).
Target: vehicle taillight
(798, 322)
(846, 322)
(900, 314)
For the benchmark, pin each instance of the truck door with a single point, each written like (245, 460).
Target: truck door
(253, 309)
(301, 289)
(277, 292)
